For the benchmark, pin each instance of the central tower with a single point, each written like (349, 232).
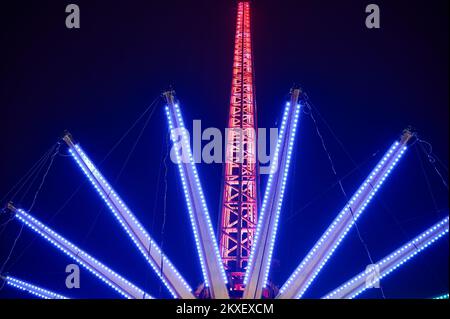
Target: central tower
(241, 183)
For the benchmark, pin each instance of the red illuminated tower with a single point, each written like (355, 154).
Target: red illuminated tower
(240, 189)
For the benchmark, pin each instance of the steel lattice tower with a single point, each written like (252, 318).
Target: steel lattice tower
(240, 184)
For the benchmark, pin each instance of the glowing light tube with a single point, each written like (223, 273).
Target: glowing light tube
(208, 251)
(260, 258)
(365, 279)
(162, 266)
(115, 281)
(318, 256)
(442, 297)
(32, 289)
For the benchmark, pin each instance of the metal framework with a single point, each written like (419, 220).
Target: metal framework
(387, 265)
(162, 266)
(213, 270)
(318, 256)
(257, 272)
(31, 289)
(115, 281)
(240, 193)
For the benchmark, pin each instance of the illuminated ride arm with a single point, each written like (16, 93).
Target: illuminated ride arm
(212, 267)
(162, 266)
(318, 256)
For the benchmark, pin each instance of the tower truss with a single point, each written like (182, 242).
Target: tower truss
(240, 185)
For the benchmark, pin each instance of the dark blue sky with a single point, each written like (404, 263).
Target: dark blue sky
(368, 84)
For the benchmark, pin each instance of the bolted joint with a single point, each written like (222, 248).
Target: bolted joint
(169, 95)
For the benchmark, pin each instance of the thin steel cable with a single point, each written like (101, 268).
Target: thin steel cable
(323, 193)
(406, 236)
(33, 172)
(122, 169)
(322, 118)
(44, 177)
(427, 181)
(30, 184)
(30, 172)
(130, 129)
(431, 156)
(155, 206)
(440, 162)
(163, 225)
(52, 159)
(361, 239)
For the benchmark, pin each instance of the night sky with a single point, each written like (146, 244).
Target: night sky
(97, 80)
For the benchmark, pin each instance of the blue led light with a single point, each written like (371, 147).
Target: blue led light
(202, 197)
(441, 297)
(280, 201)
(181, 163)
(102, 272)
(128, 221)
(396, 259)
(345, 220)
(32, 289)
(188, 203)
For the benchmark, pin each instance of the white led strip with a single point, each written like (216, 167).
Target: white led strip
(358, 284)
(115, 281)
(169, 275)
(211, 264)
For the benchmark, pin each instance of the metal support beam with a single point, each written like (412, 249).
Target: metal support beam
(31, 289)
(162, 266)
(318, 256)
(387, 265)
(115, 281)
(240, 197)
(208, 251)
(258, 268)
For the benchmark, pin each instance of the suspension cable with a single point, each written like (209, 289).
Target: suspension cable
(361, 239)
(432, 159)
(125, 163)
(163, 225)
(155, 206)
(43, 179)
(333, 185)
(76, 191)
